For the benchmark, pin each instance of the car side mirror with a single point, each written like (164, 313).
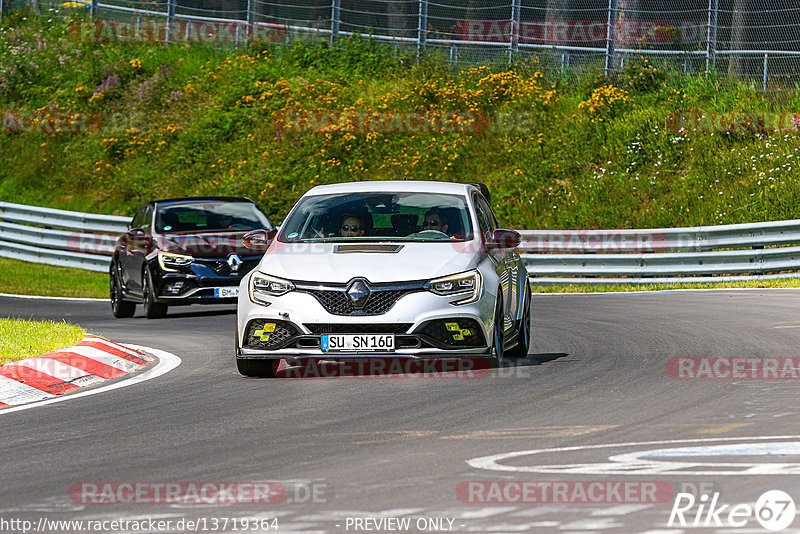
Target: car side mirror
(503, 239)
(258, 239)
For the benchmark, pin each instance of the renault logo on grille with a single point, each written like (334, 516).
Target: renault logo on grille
(358, 292)
(234, 262)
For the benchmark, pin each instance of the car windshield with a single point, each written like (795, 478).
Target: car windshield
(198, 217)
(379, 217)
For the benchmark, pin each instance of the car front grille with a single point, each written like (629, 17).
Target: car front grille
(222, 268)
(338, 303)
(381, 298)
(392, 328)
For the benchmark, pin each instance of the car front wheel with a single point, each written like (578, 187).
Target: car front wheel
(152, 309)
(524, 336)
(120, 308)
(497, 334)
(257, 368)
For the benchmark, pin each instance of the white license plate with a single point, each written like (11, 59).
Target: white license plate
(226, 292)
(357, 342)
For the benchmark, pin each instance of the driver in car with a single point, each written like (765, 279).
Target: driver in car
(435, 219)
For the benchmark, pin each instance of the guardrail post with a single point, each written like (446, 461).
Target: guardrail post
(335, 19)
(2, 9)
(422, 28)
(93, 9)
(170, 18)
(611, 36)
(516, 15)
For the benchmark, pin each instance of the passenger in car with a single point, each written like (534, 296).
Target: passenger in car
(352, 226)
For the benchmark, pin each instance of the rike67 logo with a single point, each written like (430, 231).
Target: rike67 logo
(774, 510)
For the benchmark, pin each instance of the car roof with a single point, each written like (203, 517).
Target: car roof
(393, 186)
(200, 199)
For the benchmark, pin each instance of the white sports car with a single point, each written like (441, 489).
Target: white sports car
(406, 269)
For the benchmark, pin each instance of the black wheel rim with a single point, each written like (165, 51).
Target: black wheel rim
(498, 335)
(146, 293)
(114, 293)
(526, 327)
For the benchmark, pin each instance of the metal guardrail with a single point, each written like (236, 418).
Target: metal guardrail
(664, 255)
(59, 237)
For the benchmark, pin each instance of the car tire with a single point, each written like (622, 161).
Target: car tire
(152, 309)
(524, 335)
(120, 308)
(257, 368)
(498, 349)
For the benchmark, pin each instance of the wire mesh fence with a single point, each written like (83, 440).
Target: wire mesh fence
(758, 39)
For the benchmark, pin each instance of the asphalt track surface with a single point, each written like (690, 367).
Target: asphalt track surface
(399, 448)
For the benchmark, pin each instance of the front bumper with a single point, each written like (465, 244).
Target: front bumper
(424, 325)
(198, 282)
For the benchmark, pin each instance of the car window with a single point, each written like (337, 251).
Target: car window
(379, 217)
(211, 216)
(489, 212)
(137, 219)
(147, 220)
(486, 221)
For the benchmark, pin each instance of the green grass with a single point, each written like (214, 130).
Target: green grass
(624, 288)
(25, 278)
(185, 120)
(20, 339)
(175, 120)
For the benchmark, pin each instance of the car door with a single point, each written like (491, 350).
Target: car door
(507, 268)
(140, 242)
(486, 227)
(123, 248)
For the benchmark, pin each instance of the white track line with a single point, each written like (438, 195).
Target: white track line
(166, 363)
(40, 297)
(656, 291)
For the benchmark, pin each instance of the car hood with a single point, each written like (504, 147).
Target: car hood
(205, 245)
(377, 262)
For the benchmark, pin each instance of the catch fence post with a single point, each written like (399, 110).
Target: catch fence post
(335, 19)
(251, 20)
(611, 36)
(714, 19)
(170, 18)
(422, 28)
(708, 36)
(516, 15)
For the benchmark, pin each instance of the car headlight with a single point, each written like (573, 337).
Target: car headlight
(467, 284)
(263, 286)
(173, 262)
